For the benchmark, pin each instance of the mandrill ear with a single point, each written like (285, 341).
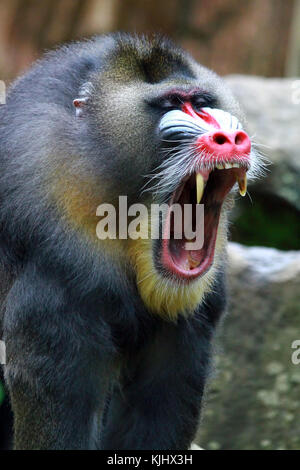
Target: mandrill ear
(81, 102)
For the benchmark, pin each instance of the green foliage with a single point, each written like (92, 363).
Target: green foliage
(268, 221)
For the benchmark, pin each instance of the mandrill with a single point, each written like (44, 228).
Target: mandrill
(108, 339)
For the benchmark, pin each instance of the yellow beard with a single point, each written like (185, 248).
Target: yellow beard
(164, 296)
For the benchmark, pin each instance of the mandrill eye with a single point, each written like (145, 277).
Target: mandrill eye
(171, 102)
(205, 99)
(166, 103)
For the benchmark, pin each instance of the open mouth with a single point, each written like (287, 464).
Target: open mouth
(207, 187)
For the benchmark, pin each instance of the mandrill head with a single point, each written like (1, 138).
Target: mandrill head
(161, 129)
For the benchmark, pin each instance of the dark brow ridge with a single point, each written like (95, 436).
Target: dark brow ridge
(194, 95)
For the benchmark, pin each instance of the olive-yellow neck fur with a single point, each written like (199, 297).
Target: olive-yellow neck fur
(78, 200)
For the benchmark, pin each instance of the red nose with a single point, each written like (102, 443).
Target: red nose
(225, 143)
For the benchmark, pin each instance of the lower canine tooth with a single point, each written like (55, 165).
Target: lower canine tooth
(199, 186)
(192, 262)
(242, 181)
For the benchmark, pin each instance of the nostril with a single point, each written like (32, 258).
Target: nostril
(220, 138)
(240, 138)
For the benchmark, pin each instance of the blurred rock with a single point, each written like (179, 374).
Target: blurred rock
(253, 402)
(272, 107)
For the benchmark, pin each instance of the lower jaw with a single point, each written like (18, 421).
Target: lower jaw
(195, 264)
(183, 264)
(167, 295)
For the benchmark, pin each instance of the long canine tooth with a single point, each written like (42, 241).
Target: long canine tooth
(199, 186)
(242, 181)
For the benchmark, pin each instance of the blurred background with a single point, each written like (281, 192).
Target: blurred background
(253, 398)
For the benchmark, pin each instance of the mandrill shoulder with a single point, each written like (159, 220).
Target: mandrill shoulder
(42, 153)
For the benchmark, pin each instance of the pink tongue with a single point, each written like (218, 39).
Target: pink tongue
(186, 259)
(191, 259)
